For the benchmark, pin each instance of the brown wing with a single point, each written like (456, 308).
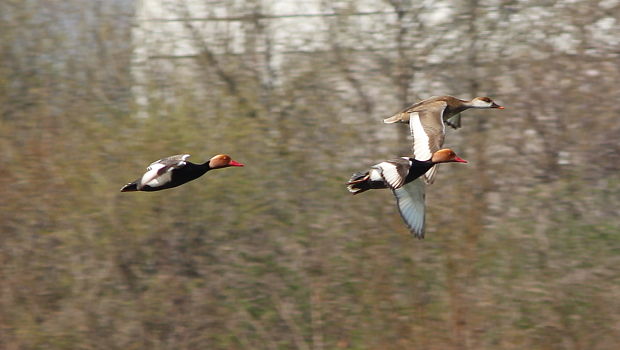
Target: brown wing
(427, 127)
(433, 125)
(403, 115)
(427, 130)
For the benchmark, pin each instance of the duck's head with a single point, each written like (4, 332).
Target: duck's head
(484, 102)
(446, 155)
(222, 161)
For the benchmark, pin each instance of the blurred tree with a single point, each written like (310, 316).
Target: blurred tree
(522, 244)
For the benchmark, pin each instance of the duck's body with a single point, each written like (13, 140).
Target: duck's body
(448, 106)
(174, 171)
(393, 173)
(427, 121)
(399, 175)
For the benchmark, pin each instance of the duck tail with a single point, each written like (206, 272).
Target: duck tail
(130, 187)
(393, 119)
(358, 183)
(400, 117)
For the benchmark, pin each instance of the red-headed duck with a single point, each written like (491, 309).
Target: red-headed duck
(174, 171)
(399, 175)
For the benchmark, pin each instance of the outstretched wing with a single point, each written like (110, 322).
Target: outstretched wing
(403, 115)
(410, 202)
(428, 131)
(162, 166)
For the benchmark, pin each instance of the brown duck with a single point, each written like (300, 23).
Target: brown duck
(427, 121)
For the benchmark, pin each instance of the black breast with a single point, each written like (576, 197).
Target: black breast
(417, 169)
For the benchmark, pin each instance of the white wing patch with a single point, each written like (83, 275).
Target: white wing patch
(375, 174)
(410, 201)
(390, 174)
(421, 148)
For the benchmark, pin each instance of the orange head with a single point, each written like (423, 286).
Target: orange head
(222, 161)
(446, 155)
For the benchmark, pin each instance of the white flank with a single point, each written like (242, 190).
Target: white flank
(151, 173)
(421, 148)
(390, 174)
(160, 180)
(410, 201)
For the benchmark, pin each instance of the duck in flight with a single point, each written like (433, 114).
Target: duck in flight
(176, 170)
(427, 121)
(453, 108)
(399, 175)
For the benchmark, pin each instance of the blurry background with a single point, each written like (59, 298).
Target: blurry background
(522, 247)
